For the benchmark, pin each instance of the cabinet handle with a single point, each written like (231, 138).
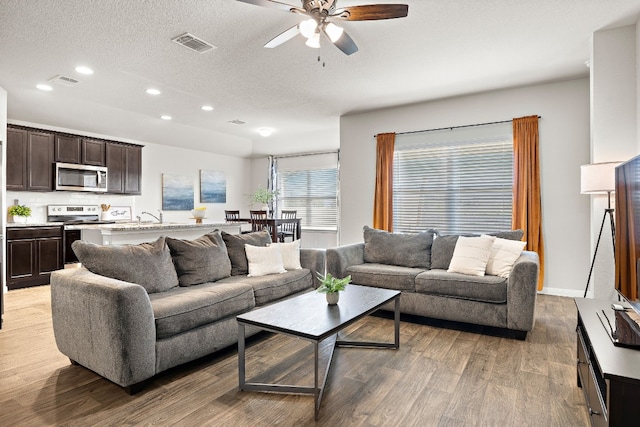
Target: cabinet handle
(592, 412)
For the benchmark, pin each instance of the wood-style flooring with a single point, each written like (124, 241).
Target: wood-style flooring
(439, 377)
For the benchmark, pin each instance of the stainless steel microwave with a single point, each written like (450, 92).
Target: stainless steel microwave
(72, 177)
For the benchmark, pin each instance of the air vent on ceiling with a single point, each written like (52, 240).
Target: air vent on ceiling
(64, 80)
(194, 43)
(236, 122)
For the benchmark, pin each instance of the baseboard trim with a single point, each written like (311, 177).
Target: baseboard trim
(573, 293)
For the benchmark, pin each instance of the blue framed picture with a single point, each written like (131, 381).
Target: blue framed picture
(177, 193)
(213, 187)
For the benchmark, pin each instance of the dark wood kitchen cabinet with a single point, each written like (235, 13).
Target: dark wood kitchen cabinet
(125, 168)
(32, 254)
(30, 157)
(81, 151)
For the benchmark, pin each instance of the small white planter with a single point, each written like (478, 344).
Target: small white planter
(333, 297)
(19, 219)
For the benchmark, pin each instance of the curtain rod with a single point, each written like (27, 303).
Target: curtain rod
(453, 127)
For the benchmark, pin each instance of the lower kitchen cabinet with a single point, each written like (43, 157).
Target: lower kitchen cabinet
(32, 254)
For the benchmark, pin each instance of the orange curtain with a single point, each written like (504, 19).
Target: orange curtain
(527, 208)
(626, 242)
(383, 197)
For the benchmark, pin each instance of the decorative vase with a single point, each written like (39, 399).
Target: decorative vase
(19, 219)
(333, 297)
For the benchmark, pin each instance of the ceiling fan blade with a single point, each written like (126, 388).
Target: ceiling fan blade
(372, 12)
(283, 37)
(273, 5)
(345, 43)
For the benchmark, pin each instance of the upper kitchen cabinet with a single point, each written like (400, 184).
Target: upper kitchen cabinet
(30, 156)
(124, 163)
(77, 150)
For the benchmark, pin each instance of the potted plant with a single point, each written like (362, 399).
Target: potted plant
(332, 286)
(20, 213)
(262, 196)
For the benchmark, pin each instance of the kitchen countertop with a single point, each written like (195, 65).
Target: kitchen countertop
(133, 226)
(33, 224)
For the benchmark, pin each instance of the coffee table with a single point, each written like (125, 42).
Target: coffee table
(309, 317)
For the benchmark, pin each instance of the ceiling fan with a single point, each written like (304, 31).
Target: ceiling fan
(321, 13)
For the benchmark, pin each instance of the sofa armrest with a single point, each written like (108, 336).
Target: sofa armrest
(522, 290)
(314, 260)
(338, 259)
(104, 324)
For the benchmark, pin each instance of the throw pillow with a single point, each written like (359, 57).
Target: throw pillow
(235, 248)
(407, 250)
(147, 264)
(202, 260)
(443, 246)
(264, 260)
(470, 255)
(504, 254)
(290, 254)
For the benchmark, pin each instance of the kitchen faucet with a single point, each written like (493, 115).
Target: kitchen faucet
(159, 219)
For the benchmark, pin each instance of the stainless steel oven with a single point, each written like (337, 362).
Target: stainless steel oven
(72, 177)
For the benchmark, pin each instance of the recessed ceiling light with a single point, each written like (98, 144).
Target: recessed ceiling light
(84, 70)
(152, 91)
(265, 132)
(44, 87)
(166, 117)
(207, 108)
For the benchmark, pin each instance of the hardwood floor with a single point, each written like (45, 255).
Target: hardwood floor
(439, 377)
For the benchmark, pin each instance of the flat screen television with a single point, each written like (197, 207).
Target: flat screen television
(627, 236)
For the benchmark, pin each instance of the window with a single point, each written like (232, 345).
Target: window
(455, 180)
(309, 185)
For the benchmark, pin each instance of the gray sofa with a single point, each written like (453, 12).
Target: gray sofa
(134, 311)
(417, 265)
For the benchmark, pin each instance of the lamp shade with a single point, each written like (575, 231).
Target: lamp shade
(598, 177)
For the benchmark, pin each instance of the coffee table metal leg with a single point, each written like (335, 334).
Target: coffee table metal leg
(316, 387)
(396, 318)
(241, 359)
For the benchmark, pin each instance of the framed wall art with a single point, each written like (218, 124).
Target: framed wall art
(177, 193)
(213, 187)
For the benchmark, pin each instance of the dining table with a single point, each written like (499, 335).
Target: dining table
(273, 223)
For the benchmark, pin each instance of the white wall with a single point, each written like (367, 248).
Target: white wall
(614, 129)
(564, 146)
(156, 160)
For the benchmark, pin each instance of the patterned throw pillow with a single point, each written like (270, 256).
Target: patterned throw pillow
(471, 255)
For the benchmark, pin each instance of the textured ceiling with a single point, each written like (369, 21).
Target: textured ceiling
(442, 49)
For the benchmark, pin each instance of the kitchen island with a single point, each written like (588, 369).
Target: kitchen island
(134, 232)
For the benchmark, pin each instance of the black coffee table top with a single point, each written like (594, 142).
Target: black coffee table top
(309, 316)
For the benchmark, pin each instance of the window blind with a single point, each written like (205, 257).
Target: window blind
(309, 185)
(457, 180)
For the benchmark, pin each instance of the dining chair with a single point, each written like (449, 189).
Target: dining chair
(258, 220)
(232, 216)
(288, 229)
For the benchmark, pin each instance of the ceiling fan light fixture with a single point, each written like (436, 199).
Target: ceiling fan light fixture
(308, 27)
(333, 31)
(314, 41)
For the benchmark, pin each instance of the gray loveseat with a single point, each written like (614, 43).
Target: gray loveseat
(418, 264)
(136, 310)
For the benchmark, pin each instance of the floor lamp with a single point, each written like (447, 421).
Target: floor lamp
(599, 178)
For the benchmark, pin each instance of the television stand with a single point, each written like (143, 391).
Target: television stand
(609, 375)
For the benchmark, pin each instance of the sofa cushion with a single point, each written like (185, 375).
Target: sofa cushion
(202, 260)
(146, 264)
(290, 254)
(384, 276)
(183, 309)
(444, 245)
(235, 248)
(406, 250)
(504, 254)
(275, 286)
(471, 254)
(476, 288)
(264, 260)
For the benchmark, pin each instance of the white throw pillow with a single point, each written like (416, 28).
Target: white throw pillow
(290, 254)
(504, 254)
(470, 255)
(264, 260)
